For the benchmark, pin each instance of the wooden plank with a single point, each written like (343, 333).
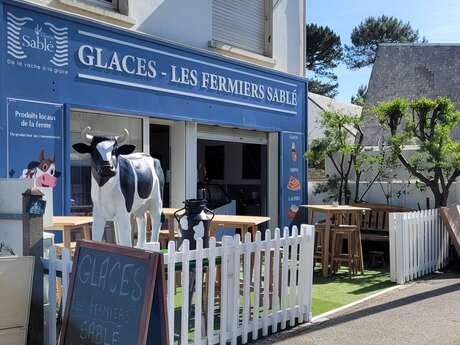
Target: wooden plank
(246, 287)
(185, 293)
(284, 277)
(293, 275)
(276, 270)
(310, 234)
(171, 289)
(255, 312)
(226, 243)
(266, 298)
(211, 289)
(52, 297)
(66, 269)
(451, 218)
(198, 289)
(236, 289)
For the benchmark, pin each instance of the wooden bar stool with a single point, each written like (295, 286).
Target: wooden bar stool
(352, 256)
(319, 244)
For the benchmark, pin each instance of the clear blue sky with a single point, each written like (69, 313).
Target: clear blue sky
(437, 20)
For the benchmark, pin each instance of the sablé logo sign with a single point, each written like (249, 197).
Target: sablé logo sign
(24, 36)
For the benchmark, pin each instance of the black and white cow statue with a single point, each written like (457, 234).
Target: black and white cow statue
(122, 183)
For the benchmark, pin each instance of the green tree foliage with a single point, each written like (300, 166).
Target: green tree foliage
(342, 145)
(366, 37)
(430, 124)
(324, 53)
(360, 96)
(325, 88)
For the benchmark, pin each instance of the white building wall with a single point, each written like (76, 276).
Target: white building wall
(190, 23)
(288, 37)
(185, 22)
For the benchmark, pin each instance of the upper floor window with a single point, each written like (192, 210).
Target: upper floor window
(105, 3)
(121, 6)
(243, 24)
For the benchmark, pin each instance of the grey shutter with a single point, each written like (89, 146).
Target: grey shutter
(240, 23)
(121, 6)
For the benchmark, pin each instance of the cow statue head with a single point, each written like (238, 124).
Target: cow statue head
(104, 151)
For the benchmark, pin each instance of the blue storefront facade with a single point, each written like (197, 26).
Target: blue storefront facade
(52, 63)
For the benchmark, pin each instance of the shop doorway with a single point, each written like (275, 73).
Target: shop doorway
(159, 144)
(234, 171)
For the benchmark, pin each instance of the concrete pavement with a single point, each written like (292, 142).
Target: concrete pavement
(426, 312)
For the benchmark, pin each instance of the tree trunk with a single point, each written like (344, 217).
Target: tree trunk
(340, 200)
(440, 199)
(357, 187)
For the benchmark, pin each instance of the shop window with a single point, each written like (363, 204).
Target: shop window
(243, 24)
(215, 162)
(81, 164)
(251, 161)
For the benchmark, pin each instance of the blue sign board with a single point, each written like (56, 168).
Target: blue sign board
(61, 59)
(292, 177)
(86, 63)
(34, 144)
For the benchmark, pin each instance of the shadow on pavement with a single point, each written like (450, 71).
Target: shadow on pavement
(378, 308)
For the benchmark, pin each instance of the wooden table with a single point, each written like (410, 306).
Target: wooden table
(330, 211)
(245, 223)
(69, 224)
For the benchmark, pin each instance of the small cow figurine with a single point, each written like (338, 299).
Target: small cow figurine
(122, 182)
(43, 171)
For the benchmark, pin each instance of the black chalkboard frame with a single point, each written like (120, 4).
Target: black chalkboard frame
(153, 259)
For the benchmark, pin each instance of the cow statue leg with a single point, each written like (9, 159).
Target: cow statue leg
(156, 207)
(97, 230)
(141, 230)
(124, 230)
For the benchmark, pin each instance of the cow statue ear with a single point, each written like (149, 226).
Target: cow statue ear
(82, 148)
(126, 149)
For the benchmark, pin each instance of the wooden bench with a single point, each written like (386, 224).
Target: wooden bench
(375, 223)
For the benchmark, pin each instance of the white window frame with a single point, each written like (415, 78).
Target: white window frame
(102, 3)
(115, 12)
(267, 56)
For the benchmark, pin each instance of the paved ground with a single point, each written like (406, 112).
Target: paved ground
(423, 313)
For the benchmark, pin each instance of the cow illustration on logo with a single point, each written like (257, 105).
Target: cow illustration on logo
(46, 38)
(43, 171)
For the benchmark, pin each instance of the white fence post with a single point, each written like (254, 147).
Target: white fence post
(280, 270)
(418, 244)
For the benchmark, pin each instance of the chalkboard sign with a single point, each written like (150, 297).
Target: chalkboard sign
(116, 297)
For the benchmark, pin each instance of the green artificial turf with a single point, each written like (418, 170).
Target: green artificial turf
(328, 293)
(333, 292)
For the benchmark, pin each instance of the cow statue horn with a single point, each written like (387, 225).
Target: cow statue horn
(85, 134)
(124, 137)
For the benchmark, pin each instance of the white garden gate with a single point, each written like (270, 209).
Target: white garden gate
(419, 244)
(242, 288)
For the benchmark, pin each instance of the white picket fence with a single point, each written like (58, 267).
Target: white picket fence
(419, 244)
(241, 288)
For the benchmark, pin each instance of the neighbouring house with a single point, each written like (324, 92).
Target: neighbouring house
(411, 71)
(317, 104)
